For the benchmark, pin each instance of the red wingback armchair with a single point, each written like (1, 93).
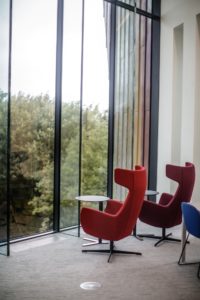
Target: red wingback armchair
(119, 218)
(167, 212)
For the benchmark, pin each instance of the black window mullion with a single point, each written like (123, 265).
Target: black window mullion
(81, 115)
(154, 97)
(58, 116)
(8, 128)
(111, 101)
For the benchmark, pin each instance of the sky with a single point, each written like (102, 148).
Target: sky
(34, 50)
(4, 44)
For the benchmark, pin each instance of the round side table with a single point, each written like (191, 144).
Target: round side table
(90, 198)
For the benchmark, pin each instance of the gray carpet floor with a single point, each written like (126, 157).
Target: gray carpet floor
(53, 268)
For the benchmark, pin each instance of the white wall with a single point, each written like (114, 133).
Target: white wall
(179, 107)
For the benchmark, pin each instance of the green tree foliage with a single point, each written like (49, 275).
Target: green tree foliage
(70, 150)
(3, 162)
(32, 155)
(93, 158)
(94, 151)
(3, 141)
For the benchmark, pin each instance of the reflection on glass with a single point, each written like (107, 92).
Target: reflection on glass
(144, 5)
(4, 50)
(132, 92)
(95, 101)
(32, 116)
(129, 2)
(124, 92)
(70, 112)
(142, 91)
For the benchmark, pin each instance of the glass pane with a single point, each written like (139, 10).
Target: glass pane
(124, 92)
(70, 112)
(142, 90)
(4, 50)
(95, 101)
(94, 105)
(129, 2)
(32, 116)
(132, 91)
(144, 5)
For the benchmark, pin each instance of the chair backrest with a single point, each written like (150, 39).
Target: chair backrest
(185, 176)
(135, 182)
(191, 216)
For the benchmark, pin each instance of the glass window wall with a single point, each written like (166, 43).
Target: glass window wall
(93, 36)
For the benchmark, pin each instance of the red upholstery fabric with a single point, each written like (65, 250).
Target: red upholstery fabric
(167, 212)
(119, 218)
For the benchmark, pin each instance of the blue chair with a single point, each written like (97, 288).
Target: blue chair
(191, 216)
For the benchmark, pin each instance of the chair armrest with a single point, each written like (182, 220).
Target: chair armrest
(113, 206)
(165, 199)
(155, 214)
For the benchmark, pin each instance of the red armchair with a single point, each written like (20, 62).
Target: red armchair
(119, 218)
(167, 212)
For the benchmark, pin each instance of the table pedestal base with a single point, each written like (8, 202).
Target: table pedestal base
(93, 242)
